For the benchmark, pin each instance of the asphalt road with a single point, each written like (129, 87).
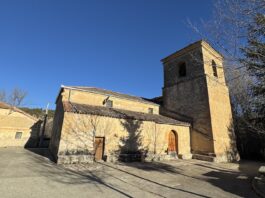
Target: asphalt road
(26, 174)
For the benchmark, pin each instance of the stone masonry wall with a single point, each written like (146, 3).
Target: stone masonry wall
(12, 122)
(76, 144)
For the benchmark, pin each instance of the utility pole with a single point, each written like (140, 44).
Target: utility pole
(43, 127)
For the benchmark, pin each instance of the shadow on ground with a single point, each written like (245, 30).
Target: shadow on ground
(44, 152)
(100, 177)
(235, 180)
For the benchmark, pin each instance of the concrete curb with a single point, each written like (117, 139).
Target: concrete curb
(256, 188)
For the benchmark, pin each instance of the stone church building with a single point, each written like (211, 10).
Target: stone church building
(192, 118)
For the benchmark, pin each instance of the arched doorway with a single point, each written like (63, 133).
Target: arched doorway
(173, 143)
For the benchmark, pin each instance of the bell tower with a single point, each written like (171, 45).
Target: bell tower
(195, 87)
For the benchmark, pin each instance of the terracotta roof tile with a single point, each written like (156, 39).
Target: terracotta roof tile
(119, 113)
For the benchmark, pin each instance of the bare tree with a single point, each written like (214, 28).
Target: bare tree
(228, 31)
(2, 96)
(81, 130)
(15, 98)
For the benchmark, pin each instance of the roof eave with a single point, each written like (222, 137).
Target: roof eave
(80, 89)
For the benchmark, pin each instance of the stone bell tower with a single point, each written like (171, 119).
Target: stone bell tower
(195, 88)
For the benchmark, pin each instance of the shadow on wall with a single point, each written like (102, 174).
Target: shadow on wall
(34, 138)
(232, 154)
(130, 147)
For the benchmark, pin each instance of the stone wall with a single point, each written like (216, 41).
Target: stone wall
(56, 129)
(203, 97)
(220, 108)
(12, 122)
(78, 131)
(84, 97)
(188, 96)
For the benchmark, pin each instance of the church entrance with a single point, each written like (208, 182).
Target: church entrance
(99, 148)
(173, 143)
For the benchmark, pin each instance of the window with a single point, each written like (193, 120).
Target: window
(214, 66)
(109, 103)
(150, 110)
(182, 69)
(18, 135)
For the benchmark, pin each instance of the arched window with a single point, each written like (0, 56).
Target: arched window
(214, 66)
(182, 69)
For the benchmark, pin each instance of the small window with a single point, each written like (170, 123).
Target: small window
(182, 70)
(109, 103)
(214, 66)
(150, 110)
(18, 135)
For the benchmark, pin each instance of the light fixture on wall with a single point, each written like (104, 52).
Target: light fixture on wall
(106, 100)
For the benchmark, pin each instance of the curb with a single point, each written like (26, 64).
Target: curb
(256, 189)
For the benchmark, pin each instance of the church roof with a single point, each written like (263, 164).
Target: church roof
(119, 113)
(110, 93)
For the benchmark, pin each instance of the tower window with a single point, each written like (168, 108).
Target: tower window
(214, 66)
(182, 69)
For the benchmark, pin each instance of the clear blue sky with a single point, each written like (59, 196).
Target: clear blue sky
(115, 45)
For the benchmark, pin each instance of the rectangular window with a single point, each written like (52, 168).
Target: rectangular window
(150, 110)
(109, 103)
(18, 135)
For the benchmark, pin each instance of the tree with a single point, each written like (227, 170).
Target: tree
(236, 29)
(15, 98)
(254, 59)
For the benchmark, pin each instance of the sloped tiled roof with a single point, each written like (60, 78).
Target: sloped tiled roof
(4, 105)
(111, 93)
(119, 113)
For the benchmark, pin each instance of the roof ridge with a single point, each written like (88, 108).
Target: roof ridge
(8, 106)
(97, 90)
(201, 42)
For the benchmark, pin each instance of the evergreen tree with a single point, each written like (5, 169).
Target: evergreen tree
(255, 62)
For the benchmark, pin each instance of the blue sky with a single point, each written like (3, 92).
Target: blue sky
(115, 45)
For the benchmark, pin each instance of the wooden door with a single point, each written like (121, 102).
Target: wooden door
(99, 148)
(172, 142)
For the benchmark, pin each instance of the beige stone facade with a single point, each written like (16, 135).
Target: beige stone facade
(193, 115)
(16, 127)
(120, 101)
(74, 131)
(203, 96)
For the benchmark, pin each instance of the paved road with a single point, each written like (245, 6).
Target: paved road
(28, 175)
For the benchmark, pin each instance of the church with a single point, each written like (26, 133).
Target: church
(192, 118)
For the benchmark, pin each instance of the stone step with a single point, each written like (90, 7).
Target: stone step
(203, 157)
